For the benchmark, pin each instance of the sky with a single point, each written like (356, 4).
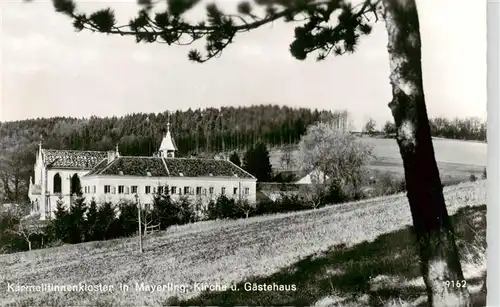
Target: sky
(48, 69)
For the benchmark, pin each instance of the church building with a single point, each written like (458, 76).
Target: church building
(111, 177)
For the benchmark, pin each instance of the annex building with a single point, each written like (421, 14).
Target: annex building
(107, 176)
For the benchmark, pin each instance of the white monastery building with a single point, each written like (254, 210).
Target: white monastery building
(110, 177)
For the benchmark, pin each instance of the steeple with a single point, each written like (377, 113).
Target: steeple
(167, 147)
(40, 156)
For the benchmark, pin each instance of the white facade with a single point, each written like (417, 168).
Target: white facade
(87, 170)
(167, 146)
(44, 193)
(119, 188)
(315, 176)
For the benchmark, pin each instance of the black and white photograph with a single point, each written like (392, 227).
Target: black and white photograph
(243, 153)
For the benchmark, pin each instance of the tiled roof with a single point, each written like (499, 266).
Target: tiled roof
(99, 167)
(203, 168)
(136, 166)
(177, 167)
(76, 159)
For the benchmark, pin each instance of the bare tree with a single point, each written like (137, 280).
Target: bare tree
(334, 154)
(245, 207)
(341, 119)
(15, 170)
(313, 194)
(28, 227)
(369, 127)
(286, 159)
(317, 33)
(389, 128)
(147, 221)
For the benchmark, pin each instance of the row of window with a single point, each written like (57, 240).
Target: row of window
(121, 189)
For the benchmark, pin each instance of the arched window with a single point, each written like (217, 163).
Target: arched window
(76, 187)
(57, 183)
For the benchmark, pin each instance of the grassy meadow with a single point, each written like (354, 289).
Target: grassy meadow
(384, 272)
(344, 253)
(456, 159)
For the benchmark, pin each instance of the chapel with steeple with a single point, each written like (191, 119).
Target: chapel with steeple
(63, 175)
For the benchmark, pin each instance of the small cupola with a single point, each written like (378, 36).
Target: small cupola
(167, 147)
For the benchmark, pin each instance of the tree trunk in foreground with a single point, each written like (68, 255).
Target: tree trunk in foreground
(439, 256)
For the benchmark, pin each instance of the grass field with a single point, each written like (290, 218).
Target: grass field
(344, 252)
(456, 159)
(384, 272)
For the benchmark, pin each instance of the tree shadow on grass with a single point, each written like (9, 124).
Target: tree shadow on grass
(370, 273)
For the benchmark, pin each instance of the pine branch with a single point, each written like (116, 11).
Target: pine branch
(219, 29)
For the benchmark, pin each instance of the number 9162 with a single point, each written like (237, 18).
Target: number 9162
(456, 283)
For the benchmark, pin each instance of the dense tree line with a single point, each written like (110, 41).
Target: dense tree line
(470, 128)
(195, 131)
(85, 221)
(464, 129)
(200, 130)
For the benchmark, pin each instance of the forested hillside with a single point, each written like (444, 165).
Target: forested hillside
(195, 131)
(200, 131)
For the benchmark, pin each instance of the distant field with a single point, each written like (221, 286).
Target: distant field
(211, 253)
(456, 159)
